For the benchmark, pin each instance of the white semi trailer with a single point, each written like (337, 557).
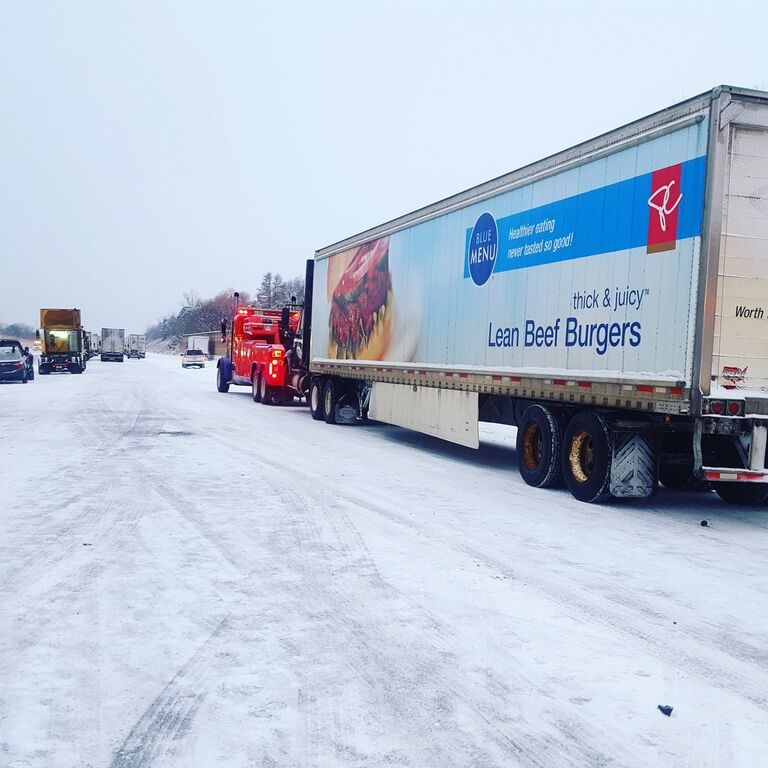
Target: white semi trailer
(137, 345)
(611, 301)
(113, 344)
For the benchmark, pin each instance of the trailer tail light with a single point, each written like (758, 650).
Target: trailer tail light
(724, 407)
(274, 366)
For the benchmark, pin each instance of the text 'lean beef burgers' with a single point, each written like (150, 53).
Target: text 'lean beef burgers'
(361, 308)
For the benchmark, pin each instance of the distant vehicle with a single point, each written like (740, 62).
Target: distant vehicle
(113, 344)
(96, 343)
(61, 333)
(193, 358)
(137, 345)
(198, 342)
(14, 363)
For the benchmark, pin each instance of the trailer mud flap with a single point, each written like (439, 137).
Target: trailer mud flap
(634, 473)
(445, 413)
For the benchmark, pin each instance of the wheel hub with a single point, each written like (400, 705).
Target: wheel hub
(532, 446)
(581, 456)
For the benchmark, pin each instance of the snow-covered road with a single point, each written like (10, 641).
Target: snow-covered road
(190, 579)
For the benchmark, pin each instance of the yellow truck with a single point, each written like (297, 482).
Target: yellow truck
(61, 337)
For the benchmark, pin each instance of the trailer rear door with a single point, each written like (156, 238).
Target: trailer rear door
(741, 327)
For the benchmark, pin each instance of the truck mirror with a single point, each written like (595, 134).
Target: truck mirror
(285, 317)
(293, 299)
(223, 327)
(37, 335)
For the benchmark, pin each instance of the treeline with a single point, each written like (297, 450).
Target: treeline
(199, 315)
(17, 331)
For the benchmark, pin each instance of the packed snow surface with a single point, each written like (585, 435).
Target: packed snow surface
(188, 578)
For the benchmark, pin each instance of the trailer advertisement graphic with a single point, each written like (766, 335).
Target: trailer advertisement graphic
(628, 214)
(592, 268)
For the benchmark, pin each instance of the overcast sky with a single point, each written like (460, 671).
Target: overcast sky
(150, 148)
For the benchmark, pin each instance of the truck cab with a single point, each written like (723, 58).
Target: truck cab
(62, 344)
(261, 343)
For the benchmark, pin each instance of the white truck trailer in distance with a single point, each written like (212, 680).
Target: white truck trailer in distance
(113, 344)
(611, 301)
(137, 345)
(199, 342)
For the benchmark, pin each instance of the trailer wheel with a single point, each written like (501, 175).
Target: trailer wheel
(255, 387)
(680, 477)
(539, 436)
(222, 385)
(316, 400)
(329, 401)
(743, 494)
(586, 457)
(43, 370)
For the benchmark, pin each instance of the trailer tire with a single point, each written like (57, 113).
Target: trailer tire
(680, 477)
(43, 370)
(742, 494)
(316, 400)
(330, 398)
(255, 387)
(222, 385)
(586, 457)
(539, 437)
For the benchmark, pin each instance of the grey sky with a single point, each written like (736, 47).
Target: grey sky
(148, 148)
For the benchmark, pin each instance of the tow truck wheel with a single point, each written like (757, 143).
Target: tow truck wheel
(316, 400)
(266, 392)
(255, 387)
(329, 401)
(743, 494)
(221, 383)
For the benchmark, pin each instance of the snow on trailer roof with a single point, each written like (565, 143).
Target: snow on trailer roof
(661, 120)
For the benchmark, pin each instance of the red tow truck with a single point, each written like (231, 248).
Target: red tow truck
(262, 355)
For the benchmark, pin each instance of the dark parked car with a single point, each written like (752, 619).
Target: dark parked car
(15, 362)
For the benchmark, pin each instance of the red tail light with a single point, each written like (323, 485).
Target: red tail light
(717, 407)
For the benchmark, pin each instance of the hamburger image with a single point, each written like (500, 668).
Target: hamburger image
(362, 305)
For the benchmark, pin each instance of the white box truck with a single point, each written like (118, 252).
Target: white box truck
(199, 342)
(112, 344)
(610, 301)
(137, 345)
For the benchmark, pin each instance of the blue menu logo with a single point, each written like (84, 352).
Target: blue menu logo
(483, 249)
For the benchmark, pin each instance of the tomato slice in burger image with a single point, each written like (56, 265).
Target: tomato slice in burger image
(362, 304)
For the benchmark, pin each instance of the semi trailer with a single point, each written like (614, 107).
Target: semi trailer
(113, 344)
(610, 301)
(137, 345)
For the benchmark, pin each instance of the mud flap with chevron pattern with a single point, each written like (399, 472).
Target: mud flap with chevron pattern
(634, 471)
